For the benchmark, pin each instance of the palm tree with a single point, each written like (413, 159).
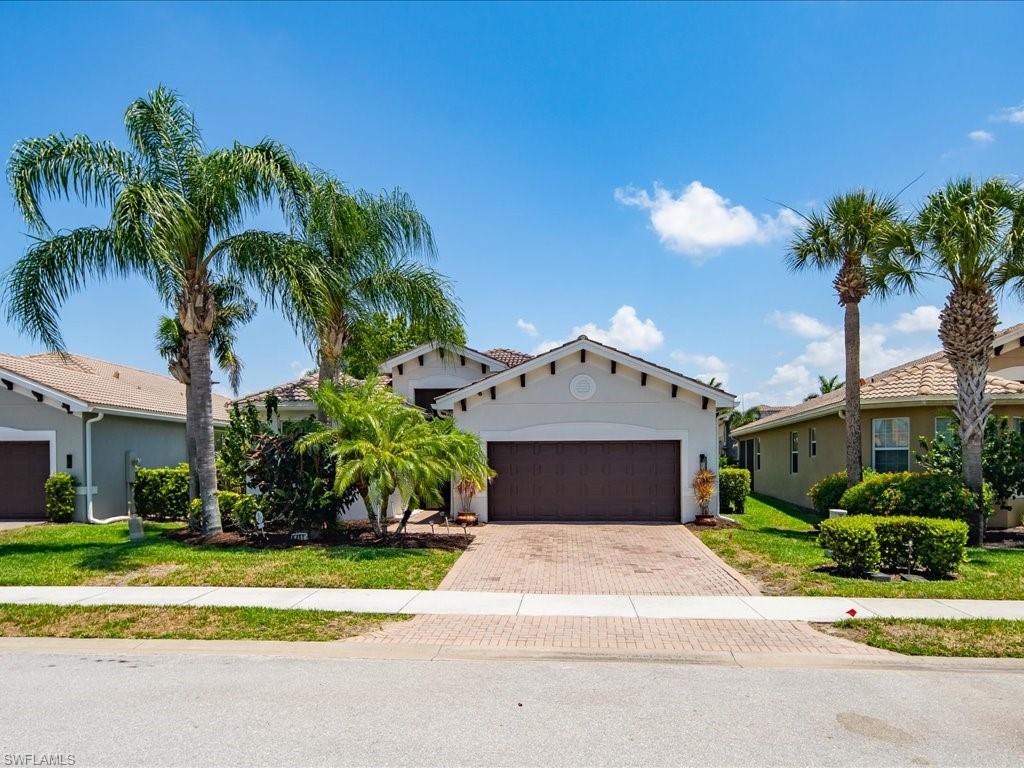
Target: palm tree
(175, 209)
(714, 382)
(844, 238)
(738, 418)
(380, 445)
(234, 308)
(971, 235)
(365, 245)
(826, 384)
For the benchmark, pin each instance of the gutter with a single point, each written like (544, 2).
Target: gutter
(90, 490)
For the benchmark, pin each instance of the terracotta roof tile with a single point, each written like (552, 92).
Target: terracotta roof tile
(509, 357)
(101, 383)
(297, 390)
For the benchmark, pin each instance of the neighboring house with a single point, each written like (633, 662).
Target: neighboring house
(792, 449)
(581, 432)
(90, 418)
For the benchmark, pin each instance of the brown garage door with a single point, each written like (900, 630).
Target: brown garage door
(24, 468)
(634, 481)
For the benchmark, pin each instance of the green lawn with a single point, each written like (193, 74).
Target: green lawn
(183, 623)
(101, 554)
(991, 638)
(776, 546)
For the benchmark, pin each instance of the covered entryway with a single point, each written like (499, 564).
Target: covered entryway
(24, 468)
(613, 481)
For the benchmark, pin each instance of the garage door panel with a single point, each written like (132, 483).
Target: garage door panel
(24, 467)
(599, 480)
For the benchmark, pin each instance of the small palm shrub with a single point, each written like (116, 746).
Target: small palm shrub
(60, 497)
(703, 489)
(852, 543)
(162, 494)
(734, 487)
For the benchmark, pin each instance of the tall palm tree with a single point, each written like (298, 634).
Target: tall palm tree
(738, 418)
(844, 239)
(175, 208)
(972, 236)
(380, 445)
(366, 246)
(234, 309)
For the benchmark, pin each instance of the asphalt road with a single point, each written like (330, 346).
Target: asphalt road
(253, 711)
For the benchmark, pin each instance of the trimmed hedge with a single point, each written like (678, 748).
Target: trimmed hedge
(734, 487)
(162, 494)
(60, 497)
(860, 544)
(826, 493)
(914, 494)
(237, 511)
(852, 542)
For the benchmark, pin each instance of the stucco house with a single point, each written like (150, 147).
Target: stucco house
(88, 417)
(582, 432)
(790, 450)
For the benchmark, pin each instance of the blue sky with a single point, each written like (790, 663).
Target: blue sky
(614, 169)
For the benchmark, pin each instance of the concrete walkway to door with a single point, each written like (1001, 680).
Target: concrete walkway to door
(592, 559)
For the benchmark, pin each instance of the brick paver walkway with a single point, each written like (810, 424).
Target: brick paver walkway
(611, 634)
(594, 559)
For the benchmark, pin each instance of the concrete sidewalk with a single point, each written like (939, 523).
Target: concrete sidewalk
(748, 607)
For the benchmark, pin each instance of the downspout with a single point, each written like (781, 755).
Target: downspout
(88, 477)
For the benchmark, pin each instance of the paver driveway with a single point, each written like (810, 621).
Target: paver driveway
(593, 559)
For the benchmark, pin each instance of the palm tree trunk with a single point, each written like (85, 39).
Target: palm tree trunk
(190, 444)
(967, 328)
(202, 399)
(851, 330)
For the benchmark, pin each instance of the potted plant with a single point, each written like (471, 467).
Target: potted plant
(703, 489)
(467, 488)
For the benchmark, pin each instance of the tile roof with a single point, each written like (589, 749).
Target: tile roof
(509, 357)
(930, 376)
(297, 390)
(100, 383)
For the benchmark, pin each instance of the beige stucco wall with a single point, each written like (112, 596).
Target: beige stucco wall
(620, 409)
(437, 372)
(774, 478)
(1009, 363)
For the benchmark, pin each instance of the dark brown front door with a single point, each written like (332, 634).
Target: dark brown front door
(629, 481)
(24, 468)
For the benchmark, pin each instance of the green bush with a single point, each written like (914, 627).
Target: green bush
(60, 497)
(237, 511)
(914, 494)
(826, 493)
(852, 542)
(162, 494)
(734, 487)
(938, 545)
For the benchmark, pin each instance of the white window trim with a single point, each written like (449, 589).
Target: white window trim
(812, 442)
(794, 452)
(874, 449)
(757, 453)
(935, 424)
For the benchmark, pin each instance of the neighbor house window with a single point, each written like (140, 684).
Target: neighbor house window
(943, 425)
(794, 452)
(757, 453)
(890, 444)
(812, 442)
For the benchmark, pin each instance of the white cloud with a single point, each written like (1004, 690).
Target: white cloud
(981, 137)
(625, 331)
(700, 220)
(526, 327)
(923, 318)
(800, 324)
(703, 367)
(1011, 115)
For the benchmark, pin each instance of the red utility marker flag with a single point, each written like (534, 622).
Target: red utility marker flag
(852, 612)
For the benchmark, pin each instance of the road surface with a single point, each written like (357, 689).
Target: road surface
(151, 709)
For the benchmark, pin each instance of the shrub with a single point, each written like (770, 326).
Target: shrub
(826, 493)
(162, 494)
(297, 490)
(916, 494)
(937, 545)
(734, 487)
(852, 542)
(60, 497)
(237, 511)
(236, 444)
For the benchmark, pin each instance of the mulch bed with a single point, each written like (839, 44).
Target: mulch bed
(357, 534)
(1010, 538)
